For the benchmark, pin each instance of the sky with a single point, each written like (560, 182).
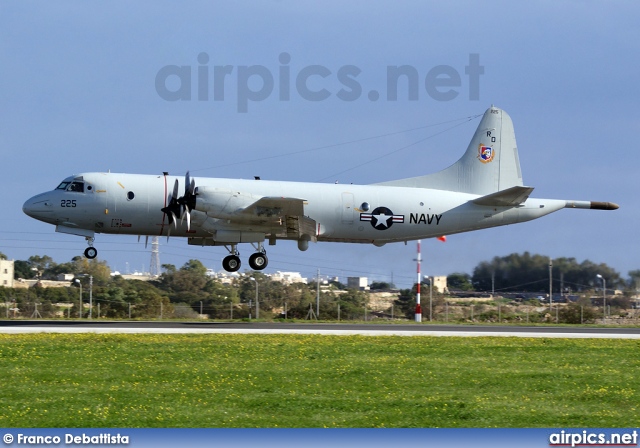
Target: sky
(98, 86)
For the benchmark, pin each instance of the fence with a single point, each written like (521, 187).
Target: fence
(440, 313)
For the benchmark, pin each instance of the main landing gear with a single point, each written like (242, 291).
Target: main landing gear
(231, 263)
(90, 252)
(257, 261)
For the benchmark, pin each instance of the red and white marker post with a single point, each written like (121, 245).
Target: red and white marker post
(418, 308)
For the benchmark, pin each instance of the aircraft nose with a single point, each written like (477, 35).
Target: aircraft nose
(39, 207)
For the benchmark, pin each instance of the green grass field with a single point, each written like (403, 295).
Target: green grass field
(89, 380)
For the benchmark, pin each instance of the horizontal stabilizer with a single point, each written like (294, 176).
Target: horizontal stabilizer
(506, 198)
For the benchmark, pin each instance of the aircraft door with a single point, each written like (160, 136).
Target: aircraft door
(347, 208)
(99, 203)
(128, 204)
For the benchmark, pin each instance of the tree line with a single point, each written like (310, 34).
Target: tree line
(177, 292)
(530, 273)
(188, 290)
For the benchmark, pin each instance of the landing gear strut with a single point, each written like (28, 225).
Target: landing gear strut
(90, 252)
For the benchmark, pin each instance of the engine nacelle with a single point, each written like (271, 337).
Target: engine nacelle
(222, 203)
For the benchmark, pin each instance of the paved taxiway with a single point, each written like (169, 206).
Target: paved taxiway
(167, 327)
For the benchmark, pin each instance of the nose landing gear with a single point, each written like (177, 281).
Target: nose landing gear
(90, 252)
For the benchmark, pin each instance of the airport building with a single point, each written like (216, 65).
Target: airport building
(440, 283)
(359, 283)
(6, 273)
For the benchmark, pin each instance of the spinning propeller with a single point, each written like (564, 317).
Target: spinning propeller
(179, 207)
(188, 201)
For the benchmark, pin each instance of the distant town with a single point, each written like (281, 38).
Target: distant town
(40, 287)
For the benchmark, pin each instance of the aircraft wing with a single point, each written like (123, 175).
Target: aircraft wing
(510, 197)
(286, 213)
(273, 215)
(275, 207)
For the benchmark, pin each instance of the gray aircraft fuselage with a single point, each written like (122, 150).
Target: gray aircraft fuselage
(483, 189)
(130, 204)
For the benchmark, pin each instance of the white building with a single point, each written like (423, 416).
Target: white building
(66, 277)
(440, 284)
(225, 278)
(288, 277)
(360, 283)
(6, 273)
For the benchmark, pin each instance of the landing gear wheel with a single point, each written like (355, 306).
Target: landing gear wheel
(91, 253)
(231, 263)
(258, 261)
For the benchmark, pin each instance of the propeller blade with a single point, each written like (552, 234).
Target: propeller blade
(168, 233)
(175, 189)
(173, 205)
(188, 219)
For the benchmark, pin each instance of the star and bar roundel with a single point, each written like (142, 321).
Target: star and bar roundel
(381, 218)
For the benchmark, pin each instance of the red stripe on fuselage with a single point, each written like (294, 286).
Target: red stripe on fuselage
(165, 204)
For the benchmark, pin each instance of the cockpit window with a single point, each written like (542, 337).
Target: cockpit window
(63, 185)
(77, 187)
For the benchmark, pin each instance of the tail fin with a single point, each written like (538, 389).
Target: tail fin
(490, 164)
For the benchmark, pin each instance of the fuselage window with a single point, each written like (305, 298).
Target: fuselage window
(77, 187)
(63, 186)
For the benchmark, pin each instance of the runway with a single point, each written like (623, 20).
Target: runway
(168, 327)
